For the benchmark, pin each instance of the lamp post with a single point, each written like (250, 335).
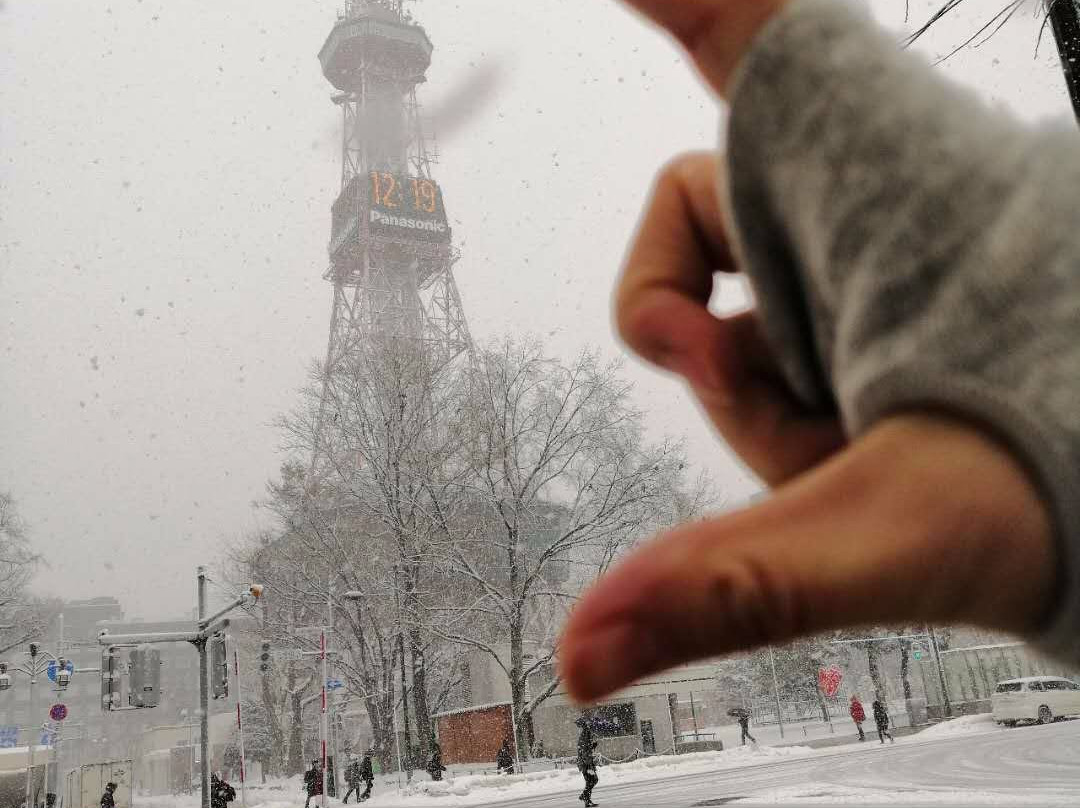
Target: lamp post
(37, 664)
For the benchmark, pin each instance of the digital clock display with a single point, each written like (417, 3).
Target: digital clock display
(407, 206)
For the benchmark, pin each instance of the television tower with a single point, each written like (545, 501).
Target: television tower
(391, 250)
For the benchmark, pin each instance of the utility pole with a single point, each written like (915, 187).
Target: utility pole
(204, 697)
(240, 731)
(940, 671)
(1064, 18)
(776, 691)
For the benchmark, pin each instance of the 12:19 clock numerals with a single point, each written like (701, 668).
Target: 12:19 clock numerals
(386, 191)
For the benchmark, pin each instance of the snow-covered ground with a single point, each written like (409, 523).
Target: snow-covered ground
(966, 761)
(843, 795)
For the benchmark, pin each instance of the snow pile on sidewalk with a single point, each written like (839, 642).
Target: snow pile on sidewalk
(955, 727)
(826, 794)
(470, 789)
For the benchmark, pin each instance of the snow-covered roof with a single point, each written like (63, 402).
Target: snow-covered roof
(478, 708)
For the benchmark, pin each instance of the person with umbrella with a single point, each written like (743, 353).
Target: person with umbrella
(743, 716)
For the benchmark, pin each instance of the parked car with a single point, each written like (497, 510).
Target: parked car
(1035, 698)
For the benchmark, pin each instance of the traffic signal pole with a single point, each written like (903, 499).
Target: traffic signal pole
(206, 628)
(204, 698)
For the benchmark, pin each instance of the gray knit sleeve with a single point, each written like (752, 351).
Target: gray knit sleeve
(909, 247)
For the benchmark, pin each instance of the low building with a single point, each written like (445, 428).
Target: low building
(473, 734)
(640, 719)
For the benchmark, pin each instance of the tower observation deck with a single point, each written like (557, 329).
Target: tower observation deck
(391, 247)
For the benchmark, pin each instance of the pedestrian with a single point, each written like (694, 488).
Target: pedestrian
(435, 766)
(352, 778)
(221, 793)
(911, 252)
(312, 782)
(742, 715)
(367, 775)
(586, 761)
(881, 719)
(504, 759)
(858, 715)
(107, 800)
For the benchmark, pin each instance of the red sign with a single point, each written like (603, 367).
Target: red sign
(58, 712)
(829, 680)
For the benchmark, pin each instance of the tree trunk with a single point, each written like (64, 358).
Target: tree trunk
(273, 725)
(296, 735)
(905, 668)
(971, 675)
(823, 705)
(873, 663)
(406, 752)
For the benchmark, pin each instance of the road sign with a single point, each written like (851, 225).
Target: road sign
(58, 712)
(334, 684)
(287, 654)
(51, 669)
(917, 655)
(829, 680)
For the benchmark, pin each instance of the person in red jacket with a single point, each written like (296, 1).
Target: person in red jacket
(858, 715)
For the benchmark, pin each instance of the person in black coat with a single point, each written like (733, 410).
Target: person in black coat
(221, 793)
(312, 782)
(435, 766)
(352, 779)
(107, 800)
(367, 775)
(881, 718)
(742, 715)
(504, 759)
(586, 762)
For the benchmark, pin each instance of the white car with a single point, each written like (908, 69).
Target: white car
(1035, 698)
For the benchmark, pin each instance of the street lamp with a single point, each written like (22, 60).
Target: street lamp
(38, 664)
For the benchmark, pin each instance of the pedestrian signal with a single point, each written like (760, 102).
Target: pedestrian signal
(219, 667)
(144, 686)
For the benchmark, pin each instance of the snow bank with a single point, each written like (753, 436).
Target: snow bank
(826, 794)
(965, 725)
(470, 789)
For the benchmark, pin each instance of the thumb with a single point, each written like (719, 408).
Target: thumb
(715, 32)
(864, 538)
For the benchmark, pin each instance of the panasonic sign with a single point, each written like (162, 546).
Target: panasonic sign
(389, 220)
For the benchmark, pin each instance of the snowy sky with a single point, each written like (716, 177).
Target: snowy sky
(167, 171)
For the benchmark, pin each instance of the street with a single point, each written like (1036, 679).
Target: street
(1031, 765)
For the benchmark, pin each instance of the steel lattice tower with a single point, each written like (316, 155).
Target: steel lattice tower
(391, 251)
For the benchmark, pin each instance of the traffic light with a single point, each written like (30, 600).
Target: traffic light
(144, 686)
(264, 658)
(110, 679)
(219, 667)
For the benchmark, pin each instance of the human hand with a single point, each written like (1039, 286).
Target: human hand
(922, 518)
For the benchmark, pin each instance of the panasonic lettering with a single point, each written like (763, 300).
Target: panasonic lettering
(378, 217)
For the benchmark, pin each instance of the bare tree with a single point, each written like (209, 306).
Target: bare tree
(1062, 16)
(560, 481)
(20, 617)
